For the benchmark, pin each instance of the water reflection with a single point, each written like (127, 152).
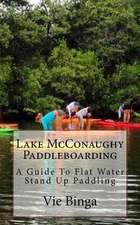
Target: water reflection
(6, 187)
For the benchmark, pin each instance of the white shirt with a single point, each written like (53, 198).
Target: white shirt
(71, 107)
(120, 110)
(82, 113)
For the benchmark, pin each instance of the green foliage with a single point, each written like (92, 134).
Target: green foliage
(108, 27)
(125, 83)
(5, 71)
(57, 13)
(14, 2)
(48, 103)
(5, 36)
(59, 51)
(26, 84)
(71, 71)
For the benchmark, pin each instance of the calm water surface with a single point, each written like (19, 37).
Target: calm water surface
(6, 187)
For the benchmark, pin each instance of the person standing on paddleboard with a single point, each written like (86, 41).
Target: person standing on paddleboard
(120, 111)
(85, 112)
(126, 113)
(125, 108)
(72, 108)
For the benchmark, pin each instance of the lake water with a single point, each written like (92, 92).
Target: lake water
(6, 187)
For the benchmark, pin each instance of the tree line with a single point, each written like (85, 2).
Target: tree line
(58, 51)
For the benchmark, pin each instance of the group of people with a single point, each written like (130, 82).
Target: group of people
(72, 110)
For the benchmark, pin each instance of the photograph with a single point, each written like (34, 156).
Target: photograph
(69, 112)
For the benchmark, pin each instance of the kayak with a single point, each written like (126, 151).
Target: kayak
(8, 125)
(6, 130)
(112, 123)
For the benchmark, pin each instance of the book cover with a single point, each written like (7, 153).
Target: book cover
(69, 112)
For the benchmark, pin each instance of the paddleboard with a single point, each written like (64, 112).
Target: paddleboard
(105, 123)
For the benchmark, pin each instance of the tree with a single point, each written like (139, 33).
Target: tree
(14, 2)
(58, 51)
(76, 75)
(108, 27)
(26, 84)
(125, 84)
(5, 72)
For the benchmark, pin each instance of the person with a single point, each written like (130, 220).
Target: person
(72, 108)
(126, 113)
(85, 112)
(125, 109)
(48, 119)
(120, 111)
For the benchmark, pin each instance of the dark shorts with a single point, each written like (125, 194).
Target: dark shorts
(72, 113)
(126, 107)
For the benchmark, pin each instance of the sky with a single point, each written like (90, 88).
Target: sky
(34, 1)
